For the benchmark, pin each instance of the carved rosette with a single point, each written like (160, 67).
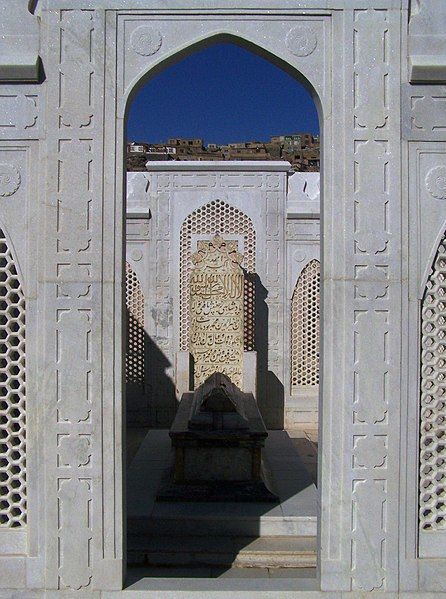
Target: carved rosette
(436, 182)
(301, 41)
(9, 180)
(216, 310)
(146, 41)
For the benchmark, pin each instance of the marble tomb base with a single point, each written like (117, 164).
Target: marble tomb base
(218, 459)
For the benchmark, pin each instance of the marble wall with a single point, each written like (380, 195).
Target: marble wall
(183, 203)
(377, 71)
(242, 202)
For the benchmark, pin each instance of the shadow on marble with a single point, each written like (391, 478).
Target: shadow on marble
(183, 534)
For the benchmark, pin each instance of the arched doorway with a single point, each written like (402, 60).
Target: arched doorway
(271, 250)
(354, 57)
(62, 206)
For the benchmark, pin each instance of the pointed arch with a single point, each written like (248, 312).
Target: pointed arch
(305, 328)
(432, 481)
(135, 351)
(227, 220)
(12, 391)
(158, 66)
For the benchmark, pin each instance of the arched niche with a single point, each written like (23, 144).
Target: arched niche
(432, 479)
(305, 314)
(164, 58)
(218, 217)
(13, 486)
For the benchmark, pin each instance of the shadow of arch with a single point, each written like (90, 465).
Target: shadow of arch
(150, 392)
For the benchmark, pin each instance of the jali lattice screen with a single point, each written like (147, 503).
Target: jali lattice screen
(12, 393)
(134, 359)
(305, 328)
(217, 217)
(433, 398)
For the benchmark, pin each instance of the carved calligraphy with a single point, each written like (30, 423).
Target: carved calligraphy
(216, 290)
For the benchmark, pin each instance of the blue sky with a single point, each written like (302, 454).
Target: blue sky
(223, 94)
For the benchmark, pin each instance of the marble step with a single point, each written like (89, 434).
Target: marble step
(222, 519)
(239, 552)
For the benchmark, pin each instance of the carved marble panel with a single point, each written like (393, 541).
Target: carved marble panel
(424, 112)
(73, 270)
(374, 297)
(216, 287)
(19, 112)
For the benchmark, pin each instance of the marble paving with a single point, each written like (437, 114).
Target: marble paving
(290, 459)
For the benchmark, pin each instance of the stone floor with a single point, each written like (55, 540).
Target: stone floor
(136, 573)
(290, 460)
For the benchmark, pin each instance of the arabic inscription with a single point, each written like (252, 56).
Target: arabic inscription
(216, 310)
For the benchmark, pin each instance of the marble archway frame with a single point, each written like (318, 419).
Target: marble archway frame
(94, 61)
(304, 64)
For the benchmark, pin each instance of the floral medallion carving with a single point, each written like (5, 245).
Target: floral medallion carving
(9, 179)
(136, 255)
(301, 41)
(299, 256)
(146, 40)
(436, 182)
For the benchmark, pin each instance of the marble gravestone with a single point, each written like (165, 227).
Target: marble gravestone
(218, 432)
(216, 310)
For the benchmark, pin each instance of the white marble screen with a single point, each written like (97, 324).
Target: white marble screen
(305, 329)
(432, 515)
(135, 355)
(12, 392)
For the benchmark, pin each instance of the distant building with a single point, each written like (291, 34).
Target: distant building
(137, 148)
(300, 149)
(178, 141)
(161, 152)
(287, 140)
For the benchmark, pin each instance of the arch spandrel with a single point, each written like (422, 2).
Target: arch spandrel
(305, 68)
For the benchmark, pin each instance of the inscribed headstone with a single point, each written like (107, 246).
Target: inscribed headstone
(216, 310)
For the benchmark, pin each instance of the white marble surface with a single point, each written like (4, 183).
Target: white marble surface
(290, 468)
(383, 123)
(247, 186)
